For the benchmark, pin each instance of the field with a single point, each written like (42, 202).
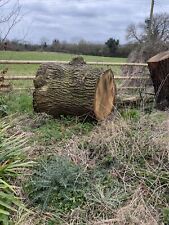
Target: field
(72, 171)
(52, 56)
(31, 69)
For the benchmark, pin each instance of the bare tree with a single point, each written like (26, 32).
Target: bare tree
(159, 31)
(151, 38)
(10, 16)
(160, 27)
(132, 33)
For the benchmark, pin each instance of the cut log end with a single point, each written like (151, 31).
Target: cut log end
(159, 57)
(159, 71)
(105, 95)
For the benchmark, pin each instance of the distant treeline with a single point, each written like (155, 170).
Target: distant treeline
(111, 48)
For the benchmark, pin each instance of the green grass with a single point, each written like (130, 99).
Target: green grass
(31, 69)
(12, 163)
(12, 55)
(59, 185)
(54, 130)
(16, 102)
(47, 130)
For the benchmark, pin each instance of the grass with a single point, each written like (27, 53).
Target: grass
(14, 102)
(30, 69)
(114, 172)
(123, 163)
(12, 163)
(55, 130)
(12, 55)
(46, 129)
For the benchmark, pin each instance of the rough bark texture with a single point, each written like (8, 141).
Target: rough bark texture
(74, 89)
(159, 70)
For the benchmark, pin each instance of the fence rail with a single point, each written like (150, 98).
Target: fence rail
(21, 62)
(116, 77)
(66, 62)
(118, 88)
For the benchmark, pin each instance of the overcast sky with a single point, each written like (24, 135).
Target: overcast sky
(73, 20)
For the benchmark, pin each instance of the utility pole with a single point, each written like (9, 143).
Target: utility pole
(151, 16)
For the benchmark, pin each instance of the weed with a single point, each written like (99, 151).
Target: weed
(131, 114)
(58, 183)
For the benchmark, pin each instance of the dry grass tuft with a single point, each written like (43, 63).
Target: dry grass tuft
(135, 155)
(129, 163)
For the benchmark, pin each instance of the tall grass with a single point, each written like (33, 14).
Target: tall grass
(126, 172)
(13, 102)
(12, 163)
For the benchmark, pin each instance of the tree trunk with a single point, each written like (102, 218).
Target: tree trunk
(74, 89)
(159, 70)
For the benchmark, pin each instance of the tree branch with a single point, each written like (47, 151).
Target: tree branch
(10, 20)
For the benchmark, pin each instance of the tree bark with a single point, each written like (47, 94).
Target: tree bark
(74, 89)
(159, 71)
